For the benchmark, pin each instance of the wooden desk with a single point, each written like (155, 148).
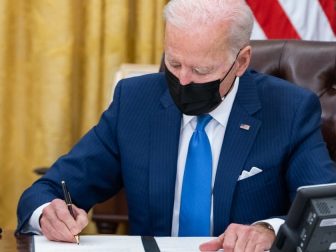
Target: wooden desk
(10, 243)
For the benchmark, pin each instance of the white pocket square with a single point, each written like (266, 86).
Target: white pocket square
(245, 174)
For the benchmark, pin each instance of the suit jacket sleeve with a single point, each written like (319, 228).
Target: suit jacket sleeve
(309, 161)
(91, 169)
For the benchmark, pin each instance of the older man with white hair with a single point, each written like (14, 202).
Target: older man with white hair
(207, 148)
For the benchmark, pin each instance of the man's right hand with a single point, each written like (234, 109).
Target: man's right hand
(57, 224)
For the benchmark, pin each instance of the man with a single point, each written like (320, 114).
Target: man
(185, 144)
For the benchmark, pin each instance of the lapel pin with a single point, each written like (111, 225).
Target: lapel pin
(245, 126)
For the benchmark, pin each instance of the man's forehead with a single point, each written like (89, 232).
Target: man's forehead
(203, 42)
(201, 57)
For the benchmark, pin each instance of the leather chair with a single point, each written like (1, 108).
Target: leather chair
(311, 65)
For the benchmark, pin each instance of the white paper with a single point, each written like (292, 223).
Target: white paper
(91, 243)
(115, 243)
(181, 244)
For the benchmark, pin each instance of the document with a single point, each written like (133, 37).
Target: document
(91, 243)
(116, 243)
(181, 244)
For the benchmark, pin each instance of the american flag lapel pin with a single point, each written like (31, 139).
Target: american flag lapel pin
(245, 126)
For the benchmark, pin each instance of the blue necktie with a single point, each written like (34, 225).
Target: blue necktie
(196, 188)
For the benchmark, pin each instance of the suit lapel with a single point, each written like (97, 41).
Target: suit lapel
(164, 140)
(235, 149)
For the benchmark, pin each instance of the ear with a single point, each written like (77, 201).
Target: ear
(243, 60)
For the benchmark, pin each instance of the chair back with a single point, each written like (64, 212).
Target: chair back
(309, 64)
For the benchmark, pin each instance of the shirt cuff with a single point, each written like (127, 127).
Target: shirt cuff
(275, 223)
(33, 225)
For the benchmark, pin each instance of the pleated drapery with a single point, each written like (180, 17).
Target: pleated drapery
(57, 64)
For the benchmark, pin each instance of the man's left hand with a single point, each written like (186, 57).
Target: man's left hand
(240, 238)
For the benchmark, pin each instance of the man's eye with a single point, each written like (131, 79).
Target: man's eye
(198, 72)
(175, 65)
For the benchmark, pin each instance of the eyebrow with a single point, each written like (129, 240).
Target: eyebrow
(201, 69)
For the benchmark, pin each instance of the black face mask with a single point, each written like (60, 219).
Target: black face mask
(196, 98)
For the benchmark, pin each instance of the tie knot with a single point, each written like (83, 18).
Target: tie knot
(202, 121)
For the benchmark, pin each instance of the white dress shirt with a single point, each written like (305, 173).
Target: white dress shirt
(33, 226)
(215, 130)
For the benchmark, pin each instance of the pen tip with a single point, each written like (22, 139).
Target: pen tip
(77, 239)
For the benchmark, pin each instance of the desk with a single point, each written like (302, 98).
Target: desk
(10, 243)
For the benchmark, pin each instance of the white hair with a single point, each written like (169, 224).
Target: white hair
(190, 14)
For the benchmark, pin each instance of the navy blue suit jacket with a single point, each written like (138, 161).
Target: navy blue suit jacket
(135, 146)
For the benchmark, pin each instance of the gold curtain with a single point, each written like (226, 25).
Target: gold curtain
(57, 64)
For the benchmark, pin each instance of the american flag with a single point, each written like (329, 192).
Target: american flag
(294, 19)
(245, 126)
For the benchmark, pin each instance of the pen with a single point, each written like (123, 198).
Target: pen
(68, 202)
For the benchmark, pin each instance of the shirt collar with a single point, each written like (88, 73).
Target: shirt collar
(222, 108)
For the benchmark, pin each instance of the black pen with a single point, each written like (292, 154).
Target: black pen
(68, 202)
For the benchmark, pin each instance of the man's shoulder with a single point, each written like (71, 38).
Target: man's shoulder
(147, 81)
(276, 92)
(141, 92)
(276, 86)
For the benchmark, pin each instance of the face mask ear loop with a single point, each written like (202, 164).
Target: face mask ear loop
(232, 84)
(231, 67)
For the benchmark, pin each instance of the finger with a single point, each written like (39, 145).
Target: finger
(63, 214)
(81, 217)
(264, 244)
(60, 230)
(244, 235)
(47, 229)
(55, 229)
(53, 234)
(250, 246)
(230, 239)
(257, 243)
(261, 248)
(212, 245)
